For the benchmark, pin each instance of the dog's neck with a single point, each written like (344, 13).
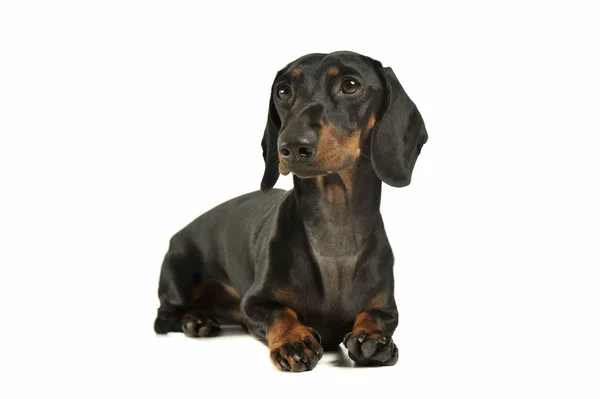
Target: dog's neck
(340, 211)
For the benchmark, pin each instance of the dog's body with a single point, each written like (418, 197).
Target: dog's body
(310, 267)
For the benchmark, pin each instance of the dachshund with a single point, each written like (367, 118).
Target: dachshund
(306, 269)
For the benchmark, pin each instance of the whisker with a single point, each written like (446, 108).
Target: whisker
(346, 153)
(365, 155)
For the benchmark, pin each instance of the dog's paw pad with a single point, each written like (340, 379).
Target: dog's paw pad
(194, 325)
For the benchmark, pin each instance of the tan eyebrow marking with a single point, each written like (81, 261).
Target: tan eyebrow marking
(295, 72)
(333, 71)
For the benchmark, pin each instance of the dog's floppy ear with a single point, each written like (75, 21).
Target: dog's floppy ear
(269, 144)
(398, 135)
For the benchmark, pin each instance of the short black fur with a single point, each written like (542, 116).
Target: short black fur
(315, 258)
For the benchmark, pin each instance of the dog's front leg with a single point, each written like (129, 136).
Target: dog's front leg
(370, 341)
(293, 345)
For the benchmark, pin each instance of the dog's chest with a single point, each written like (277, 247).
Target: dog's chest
(335, 247)
(337, 280)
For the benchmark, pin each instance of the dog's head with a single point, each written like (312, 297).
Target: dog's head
(325, 109)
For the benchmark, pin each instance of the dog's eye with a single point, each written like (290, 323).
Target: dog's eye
(284, 92)
(350, 86)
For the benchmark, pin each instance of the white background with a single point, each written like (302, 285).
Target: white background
(121, 121)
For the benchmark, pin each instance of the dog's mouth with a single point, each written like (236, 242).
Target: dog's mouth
(311, 175)
(305, 173)
(311, 171)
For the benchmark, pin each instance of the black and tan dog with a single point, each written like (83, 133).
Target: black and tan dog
(309, 268)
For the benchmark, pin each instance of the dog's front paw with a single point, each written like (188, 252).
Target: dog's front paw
(299, 353)
(371, 349)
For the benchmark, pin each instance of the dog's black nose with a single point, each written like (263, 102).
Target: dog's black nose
(297, 149)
